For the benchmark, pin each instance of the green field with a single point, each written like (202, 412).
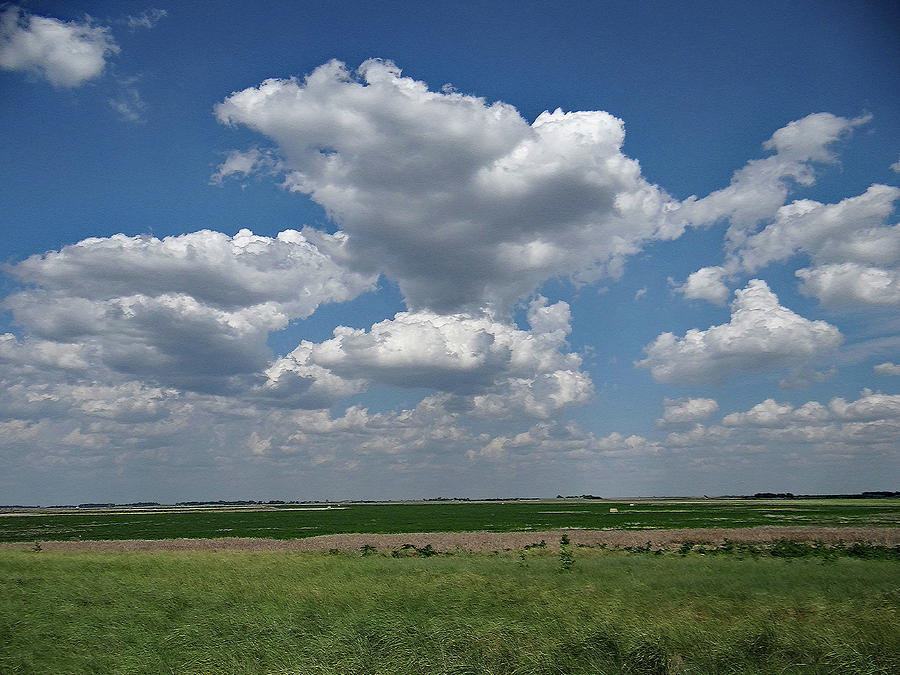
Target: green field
(777, 607)
(298, 521)
(612, 612)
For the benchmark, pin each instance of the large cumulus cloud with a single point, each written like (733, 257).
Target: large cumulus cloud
(493, 367)
(192, 311)
(461, 201)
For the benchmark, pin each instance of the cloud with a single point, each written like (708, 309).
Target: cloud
(761, 187)
(67, 54)
(828, 232)
(765, 414)
(870, 406)
(461, 201)
(854, 255)
(887, 368)
(493, 367)
(192, 311)
(129, 104)
(146, 19)
(682, 410)
(851, 283)
(549, 441)
(706, 284)
(243, 164)
(42, 352)
(841, 433)
(895, 167)
(762, 335)
(803, 377)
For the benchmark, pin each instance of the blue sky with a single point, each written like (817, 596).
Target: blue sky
(331, 250)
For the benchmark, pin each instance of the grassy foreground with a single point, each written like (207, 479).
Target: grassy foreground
(509, 613)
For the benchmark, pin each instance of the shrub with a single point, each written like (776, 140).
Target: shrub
(566, 557)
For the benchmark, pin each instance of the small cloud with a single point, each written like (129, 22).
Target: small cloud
(803, 378)
(640, 293)
(684, 410)
(66, 53)
(887, 368)
(129, 105)
(146, 19)
(258, 445)
(243, 163)
(705, 284)
(895, 167)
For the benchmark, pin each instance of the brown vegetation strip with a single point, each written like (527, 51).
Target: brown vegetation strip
(487, 541)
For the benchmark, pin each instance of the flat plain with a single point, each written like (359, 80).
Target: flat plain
(353, 589)
(297, 521)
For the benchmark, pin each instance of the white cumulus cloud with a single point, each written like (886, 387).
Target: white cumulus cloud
(854, 255)
(461, 201)
(850, 231)
(761, 187)
(887, 368)
(841, 433)
(494, 367)
(66, 53)
(706, 284)
(849, 283)
(762, 335)
(682, 410)
(191, 310)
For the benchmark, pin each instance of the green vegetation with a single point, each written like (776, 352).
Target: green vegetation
(294, 522)
(611, 612)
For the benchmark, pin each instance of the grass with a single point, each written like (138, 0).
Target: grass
(611, 612)
(287, 523)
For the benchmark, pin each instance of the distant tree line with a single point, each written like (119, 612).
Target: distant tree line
(883, 494)
(874, 494)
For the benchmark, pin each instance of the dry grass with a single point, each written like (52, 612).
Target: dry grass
(490, 541)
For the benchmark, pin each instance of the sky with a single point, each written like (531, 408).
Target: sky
(407, 250)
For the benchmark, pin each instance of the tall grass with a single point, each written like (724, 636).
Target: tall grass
(316, 613)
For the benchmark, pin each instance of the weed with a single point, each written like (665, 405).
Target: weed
(646, 548)
(426, 551)
(566, 557)
(785, 548)
(413, 551)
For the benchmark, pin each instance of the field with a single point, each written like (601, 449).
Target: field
(309, 596)
(300, 521)
(611, 612)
